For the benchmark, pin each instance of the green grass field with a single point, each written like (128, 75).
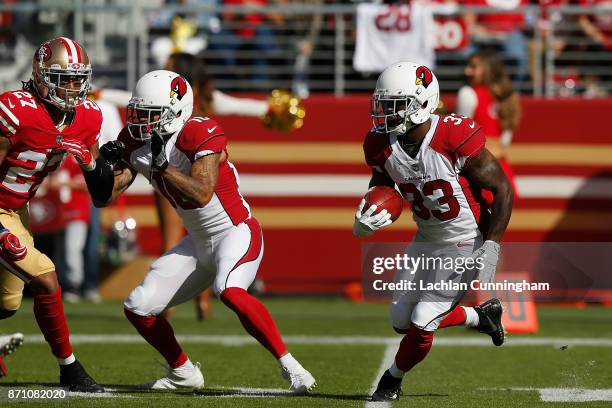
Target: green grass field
(343, 344)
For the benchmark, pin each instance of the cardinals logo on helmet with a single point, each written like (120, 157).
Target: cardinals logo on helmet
(44, 53)
(424, 76)
(178, 88)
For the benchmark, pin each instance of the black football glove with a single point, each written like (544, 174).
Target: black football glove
(159, 161)
(112, 152)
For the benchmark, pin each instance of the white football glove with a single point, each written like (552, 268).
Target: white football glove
(366, 223)
(489, 252)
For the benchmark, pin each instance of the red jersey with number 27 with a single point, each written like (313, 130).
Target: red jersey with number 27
(445, 205)
(35, 143)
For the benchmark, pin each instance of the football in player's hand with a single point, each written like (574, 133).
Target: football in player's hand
(385, 198)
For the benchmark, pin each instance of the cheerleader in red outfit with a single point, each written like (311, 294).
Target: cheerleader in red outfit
(489, 99)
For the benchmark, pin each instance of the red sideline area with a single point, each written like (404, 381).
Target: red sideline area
(325, 261)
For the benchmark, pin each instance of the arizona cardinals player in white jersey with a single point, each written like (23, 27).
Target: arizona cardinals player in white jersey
(439, 164)
(186, 160)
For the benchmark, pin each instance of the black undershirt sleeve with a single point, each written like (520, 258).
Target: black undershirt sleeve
(100, 182)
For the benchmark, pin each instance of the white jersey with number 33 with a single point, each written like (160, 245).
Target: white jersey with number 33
(446, 206)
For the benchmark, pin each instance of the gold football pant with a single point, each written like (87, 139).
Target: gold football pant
(35, 262)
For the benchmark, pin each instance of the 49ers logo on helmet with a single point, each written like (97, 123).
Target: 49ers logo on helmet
(178, 88)
(44, 53)
(424, 76)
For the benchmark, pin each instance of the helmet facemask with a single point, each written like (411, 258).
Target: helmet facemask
(143, 119)
(391, 113)
(66, 88)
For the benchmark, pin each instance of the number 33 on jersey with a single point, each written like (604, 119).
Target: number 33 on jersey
(446, 207)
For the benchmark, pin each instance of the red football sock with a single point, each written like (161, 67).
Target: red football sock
(456, 317)
(414, 347)
(157, 332)
(3, 369)
(255, 318)
(49, 313)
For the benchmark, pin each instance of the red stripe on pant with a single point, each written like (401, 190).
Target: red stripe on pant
(254, 249)
(455, 317)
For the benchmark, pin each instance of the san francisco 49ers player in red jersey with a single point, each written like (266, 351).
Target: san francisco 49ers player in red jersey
(186, 160)
(440, 164)
(39, 125)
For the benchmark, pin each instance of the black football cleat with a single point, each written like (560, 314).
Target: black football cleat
(75, 378)
(490, 316)
(389, 388)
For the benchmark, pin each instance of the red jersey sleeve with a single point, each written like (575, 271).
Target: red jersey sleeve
(92, 122)
(458, 138)
(201, 137)
(376, 149)
(9, 116)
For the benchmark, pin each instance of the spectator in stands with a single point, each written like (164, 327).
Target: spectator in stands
(306, 28)
(598, 28)
(252, 32)
(561, 27)
(499, 30)
(187, 31)
(490, 100)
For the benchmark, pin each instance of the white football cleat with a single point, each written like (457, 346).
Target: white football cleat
(299, 379)
(10, 343)
(181, 377)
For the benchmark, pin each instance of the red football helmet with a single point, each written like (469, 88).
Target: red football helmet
(61, 73)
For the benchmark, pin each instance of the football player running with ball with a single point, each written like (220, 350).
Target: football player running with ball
(39, 125)
(186, 160)
(440, 164)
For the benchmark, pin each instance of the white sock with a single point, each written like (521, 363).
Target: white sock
(187, 366)
(396, 372)
(471, 317)
(288, 361)
(65, 361)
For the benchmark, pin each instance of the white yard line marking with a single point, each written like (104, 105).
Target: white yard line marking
(240, 340)
(571, 394)
(240, 392)
(386, 362)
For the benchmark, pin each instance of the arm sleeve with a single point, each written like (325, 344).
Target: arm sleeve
(225, 104)
(472, 143)
(9, 123)
(100, 182)
(466, 101)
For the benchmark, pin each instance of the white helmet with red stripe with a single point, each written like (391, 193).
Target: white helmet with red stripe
(161, 100)
(406, 95)
(61, 73)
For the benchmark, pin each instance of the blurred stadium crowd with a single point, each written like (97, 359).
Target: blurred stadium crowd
(552, 47)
